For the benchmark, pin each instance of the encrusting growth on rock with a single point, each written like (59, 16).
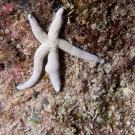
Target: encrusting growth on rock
(49, 45)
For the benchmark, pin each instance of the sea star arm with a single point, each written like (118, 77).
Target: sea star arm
(56, 25)
(52, 68)
(38, 63)
(36, 29)
(67, 47)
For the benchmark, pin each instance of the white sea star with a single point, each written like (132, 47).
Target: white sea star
(50, 44)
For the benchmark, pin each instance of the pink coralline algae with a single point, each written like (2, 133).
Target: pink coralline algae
(8, 8)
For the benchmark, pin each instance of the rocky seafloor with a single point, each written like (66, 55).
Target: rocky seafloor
(95, 99)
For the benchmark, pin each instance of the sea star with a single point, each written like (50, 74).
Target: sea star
(50, 44)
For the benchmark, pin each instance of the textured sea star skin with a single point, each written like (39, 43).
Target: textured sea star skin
(50, 44)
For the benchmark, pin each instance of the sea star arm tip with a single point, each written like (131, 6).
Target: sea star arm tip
(59, 12)
(19, 87)
(102, 61)
(29, 16)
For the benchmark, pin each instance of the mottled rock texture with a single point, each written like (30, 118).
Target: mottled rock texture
(95, 99)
